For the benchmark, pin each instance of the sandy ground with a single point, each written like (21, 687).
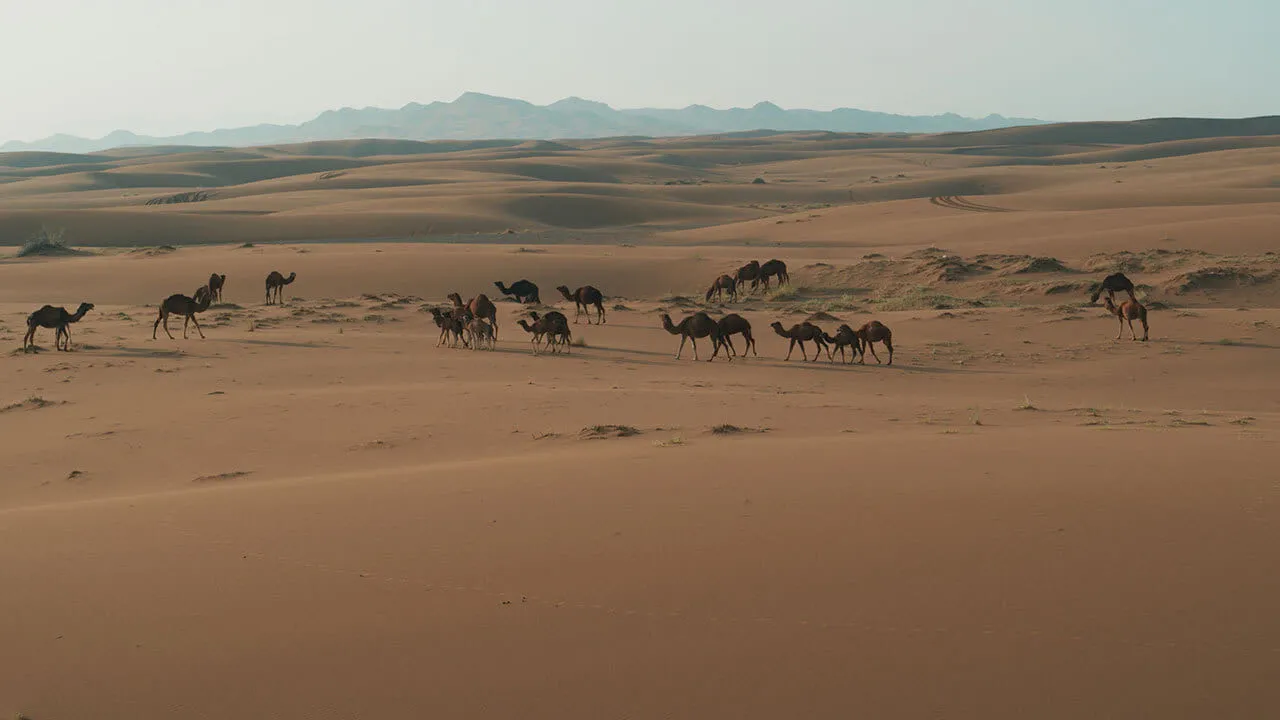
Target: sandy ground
(315, 512)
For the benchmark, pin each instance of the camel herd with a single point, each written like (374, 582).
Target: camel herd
(474, 323)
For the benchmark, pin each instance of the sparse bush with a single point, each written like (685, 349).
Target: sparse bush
(46, 242)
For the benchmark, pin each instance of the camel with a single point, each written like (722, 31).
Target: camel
(57, 319)
(723, 283)
(749, 272)
(276, 283)
(216, 282)
(449, 325)
(871, 333)
(522, 290)
(1110, 284)
(180, 304)
(553, 326)
(480, 307)
(1128, 310)
(799, 334)
(582, 297)
(697, 325)
(845, 337)
(774, 268)
(734, 324)
(481, 334)
(554, 320)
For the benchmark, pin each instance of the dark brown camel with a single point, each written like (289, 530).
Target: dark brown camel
(800, 334)
(180, 304)
(450, 326)
(1112, 283)
(774, 268)
(555, 328)
(845, 337)
(480, 307)
(583, 297)
(57, 319)
(734, 324)
(871, 333)
(276, 283)
(522, 290)
(748, 273)
(718, 288)
(1129, 310)
(697, 325)
(216, 282)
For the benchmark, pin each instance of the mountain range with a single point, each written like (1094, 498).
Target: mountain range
(475, 116)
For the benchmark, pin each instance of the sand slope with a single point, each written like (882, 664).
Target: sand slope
(315, 512)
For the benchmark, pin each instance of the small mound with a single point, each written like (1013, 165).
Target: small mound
(821, 316)
(1042, 265)
(1221, 278)
(600, 432)
(47, 243)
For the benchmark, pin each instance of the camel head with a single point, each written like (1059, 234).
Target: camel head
(455, 298)
(777, 327)
(1110, 305)
(524, 324)
(501, 288)
(84, 308)
(564, 290)
(668, 325)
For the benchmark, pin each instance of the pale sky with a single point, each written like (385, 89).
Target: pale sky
(160, 67)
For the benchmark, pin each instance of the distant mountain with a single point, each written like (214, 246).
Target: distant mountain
(475, 116)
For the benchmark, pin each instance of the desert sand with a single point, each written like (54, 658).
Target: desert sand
(316, 512)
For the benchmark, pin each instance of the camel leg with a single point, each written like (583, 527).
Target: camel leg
(1120, 333)
(694, 342)
(802, 352)
(872, 346)
(600, 312)
(30, 337)
(681, 348)
(889, 344)
(1145, 329)
(790, 348)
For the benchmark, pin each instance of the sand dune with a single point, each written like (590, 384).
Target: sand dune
(316, 512)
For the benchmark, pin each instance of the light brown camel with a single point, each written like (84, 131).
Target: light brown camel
(276, 283)
(697, 325)
(845, 337)
(583, 297)
(479, 307)
(734, 324)
(748, 273)
(774, 268)
(871, 333)
(216, 282)
(180, 304)
(481, 334)
(799, 335)
(1129, 310)
(718, 288)
(57, 319)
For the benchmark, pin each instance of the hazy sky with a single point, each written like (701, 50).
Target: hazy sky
(87, 67)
